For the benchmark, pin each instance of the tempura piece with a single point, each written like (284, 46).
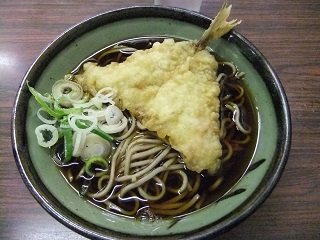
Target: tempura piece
(171, 89)
(218, 27)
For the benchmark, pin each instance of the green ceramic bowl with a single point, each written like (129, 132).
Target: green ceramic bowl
(68, 50)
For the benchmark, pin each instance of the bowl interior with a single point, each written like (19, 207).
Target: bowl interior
(68, 50)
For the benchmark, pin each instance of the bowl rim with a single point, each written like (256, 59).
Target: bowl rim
(254, 56)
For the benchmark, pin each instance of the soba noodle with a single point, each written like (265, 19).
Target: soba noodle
(146, 178)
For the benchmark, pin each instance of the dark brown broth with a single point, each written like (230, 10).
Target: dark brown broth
(231, 171)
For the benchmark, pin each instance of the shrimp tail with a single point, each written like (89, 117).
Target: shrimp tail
(218, 27)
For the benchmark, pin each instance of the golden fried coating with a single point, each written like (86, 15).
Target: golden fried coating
(172, 90)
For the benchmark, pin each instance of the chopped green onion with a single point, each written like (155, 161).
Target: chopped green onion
(94, 145)
(102, 134)
(65, 111)
(96, 160)
(82, 124)
(65, 92)
(79, 140)
(47, 135)
(45, 117)
(91, 122)
(68, 143)
(39, 99)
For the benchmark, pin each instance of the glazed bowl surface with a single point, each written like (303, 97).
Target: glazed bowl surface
(47, 185)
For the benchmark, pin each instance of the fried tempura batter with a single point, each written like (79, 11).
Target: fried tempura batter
(172, 89)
